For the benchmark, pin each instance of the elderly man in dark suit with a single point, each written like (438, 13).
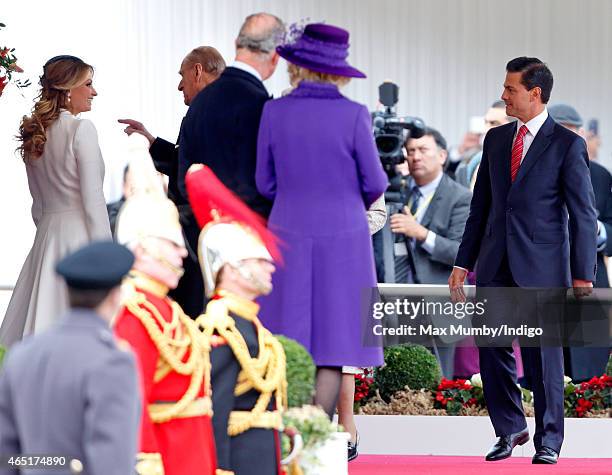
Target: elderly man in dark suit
(584, 363)
(432, 222)
(532, 223)
(221, 126)
(73, 391)
(201, 67)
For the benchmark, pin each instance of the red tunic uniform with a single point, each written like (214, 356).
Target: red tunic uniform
(176, 417)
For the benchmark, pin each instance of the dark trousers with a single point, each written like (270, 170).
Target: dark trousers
(189, 293)
(543, 367)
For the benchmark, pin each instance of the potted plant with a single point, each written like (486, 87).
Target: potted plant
(324, 449)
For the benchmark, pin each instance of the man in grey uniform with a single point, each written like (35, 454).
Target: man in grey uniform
(73, 391)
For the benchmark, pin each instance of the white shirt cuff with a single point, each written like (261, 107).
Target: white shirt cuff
(430, 242)
(462, 268)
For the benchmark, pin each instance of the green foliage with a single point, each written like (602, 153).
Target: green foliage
(300, 372)
(407, 365)
(2, 351)
(454, 395)
(609, 367)
(312, 423)
(588, 396)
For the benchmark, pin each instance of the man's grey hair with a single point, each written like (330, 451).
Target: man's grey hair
(261, 33)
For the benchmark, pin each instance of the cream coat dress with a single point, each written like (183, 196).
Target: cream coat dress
(69, 210)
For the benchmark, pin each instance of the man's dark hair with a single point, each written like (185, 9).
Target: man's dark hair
(80, 298)
(498, 105)
(437, 136)
(431, 132)
(534, 73)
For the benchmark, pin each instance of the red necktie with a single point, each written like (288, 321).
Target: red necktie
(517, 152)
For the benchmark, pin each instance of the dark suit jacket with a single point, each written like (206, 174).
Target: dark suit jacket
(528, 219)
(445, 216)
(165, 158)
(602, 187)
(220, 131)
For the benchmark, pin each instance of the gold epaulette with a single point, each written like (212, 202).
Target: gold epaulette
(264, 373)
(173, 340)
(220, 471)
(149, 464)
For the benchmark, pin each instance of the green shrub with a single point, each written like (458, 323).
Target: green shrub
(2, 351)
(407, 365)
(609, 367)
(300, 372)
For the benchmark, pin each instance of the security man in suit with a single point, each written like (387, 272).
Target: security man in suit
(248, 362)
(220, 129)
(73, 391)
(586, 362)
(199, 68)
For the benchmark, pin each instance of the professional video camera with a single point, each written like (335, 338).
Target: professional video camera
(390, 133)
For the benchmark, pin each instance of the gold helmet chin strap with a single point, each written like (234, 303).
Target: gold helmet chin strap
(262, 287)
(155, 254)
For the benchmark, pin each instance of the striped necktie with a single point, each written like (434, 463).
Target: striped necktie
(517, 152)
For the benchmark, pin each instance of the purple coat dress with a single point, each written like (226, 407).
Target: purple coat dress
(316, 159)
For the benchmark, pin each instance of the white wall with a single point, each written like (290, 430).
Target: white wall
(448, 57)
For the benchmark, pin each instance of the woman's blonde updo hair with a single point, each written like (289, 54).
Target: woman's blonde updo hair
(298, 74)
(60, 74)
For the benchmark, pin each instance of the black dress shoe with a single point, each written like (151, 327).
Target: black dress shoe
(545, 455)
(352, 448)
(504, 445)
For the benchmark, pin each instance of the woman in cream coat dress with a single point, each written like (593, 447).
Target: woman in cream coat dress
(65, 174)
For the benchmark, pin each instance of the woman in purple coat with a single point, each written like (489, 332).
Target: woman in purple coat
(316, 159)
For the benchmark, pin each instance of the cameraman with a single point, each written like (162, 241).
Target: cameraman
(432, 221)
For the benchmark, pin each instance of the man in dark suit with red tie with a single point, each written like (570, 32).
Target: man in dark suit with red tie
(532, 224)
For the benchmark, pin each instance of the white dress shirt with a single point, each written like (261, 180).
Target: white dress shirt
(248, 68)
(427, 192)
(533, 127)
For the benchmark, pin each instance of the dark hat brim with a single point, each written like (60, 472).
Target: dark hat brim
(99, 265)
(288, 53)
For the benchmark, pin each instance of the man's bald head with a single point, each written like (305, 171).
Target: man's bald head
(260, 33)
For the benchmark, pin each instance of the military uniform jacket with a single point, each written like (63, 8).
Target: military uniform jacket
(245, 358)
(176, 417)
(71, 391)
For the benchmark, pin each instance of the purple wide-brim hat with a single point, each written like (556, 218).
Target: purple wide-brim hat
(321, 48)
